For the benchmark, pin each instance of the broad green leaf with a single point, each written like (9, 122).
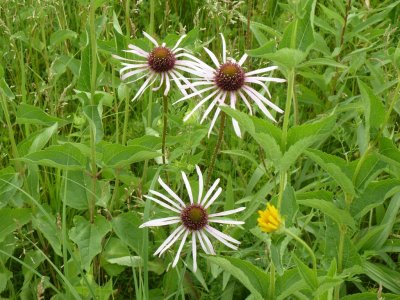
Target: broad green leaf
(49, 230)
(322, 61)
(389, 152)
(340, 216)
(242, 153)
(10, 182)
(374, 109)
(327, 163)
(289, 206)
(370, 168)
(75, 189)
(93, 113)
(298, 35)
(37, 141)
(288, 58)
(116, 156)
(88, 236)
(289, 284)
(126, 227)
(318, 128)
(253, 278)
(62, 35)
(374, 195)
(12, 219)
(308, 275)
(268, 47)
(369, 296)
(389, 278)
(29, 114)
(65, 156)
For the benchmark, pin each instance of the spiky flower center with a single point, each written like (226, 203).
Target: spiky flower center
(194, 217)
(229, 76)
(161, 59)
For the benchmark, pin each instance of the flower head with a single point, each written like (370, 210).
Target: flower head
(270, 220)
(193, 218)
(161, 63)
(227, 83)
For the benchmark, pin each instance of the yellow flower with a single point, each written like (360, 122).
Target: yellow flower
(270, 220)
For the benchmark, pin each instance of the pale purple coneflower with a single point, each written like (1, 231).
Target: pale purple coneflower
(193, 218)
(226, 83)
(163, 63)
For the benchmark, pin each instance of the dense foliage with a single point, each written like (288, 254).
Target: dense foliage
(77, 156)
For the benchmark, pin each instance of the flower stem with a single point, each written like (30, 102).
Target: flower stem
(303, 243)
(217, 147)
(164, 133)
(271, 290)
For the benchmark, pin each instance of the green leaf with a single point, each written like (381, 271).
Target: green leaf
(117, 156)
(12, 219)
(370, 296)
(288, 58)
(383, 275)
(242, 153)
(374, 195)
(93, 113)
(326, 162)
(374, 110)
(340, 216)
(75, 189)
(49, 230)
(309, 276)
(389, 152)
(29, 114)
(88, 236)
(36, 141)
(289, 206)
(62, 35)
(10, 182)
(126, 227)
(322, 61)
(253, 278)
(65, 156)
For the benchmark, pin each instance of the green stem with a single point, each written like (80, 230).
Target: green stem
(342, 234)
(93, 46)
(10, 130)
(271, 290)
(126, 119)
(127, 19)
(217, 147)
(304, 244)
(164, 132)
(286, 117)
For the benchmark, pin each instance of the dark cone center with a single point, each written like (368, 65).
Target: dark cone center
(229, 77)
(161, 59)
(194, 217)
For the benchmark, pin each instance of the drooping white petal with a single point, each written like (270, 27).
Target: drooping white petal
(242, 59)
(216, 114)
(223, 235)
(171, 192)
(213, 57)
(272, 79)
(170, 240)
(213, 198)
(180, 248)
(179, 77)
(161, 222)
(259, 104)
(210, 108)
(194, 94)
(198, 105)
(127, 59)
(170, 201)
(136, 50)
(234, 122)
(222, 221)
(223, 48)
(259, 71)
(194, 252)
(178, 42)
(265, 100)
(132, 73)
(189, 70)
(246, 102)
(167, 84)
(210, 191)
(161, 83)
(226, 243)
(208, 242)
(202, 244)
(188, 187)
(226, 213)
(162, 203)
(145, 85)
(201, 64)
(200, 175)
(252, 80)
(150, 38)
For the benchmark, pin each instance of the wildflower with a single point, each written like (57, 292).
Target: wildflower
(160, 63)
(270, 220)
(227, 83)
(193, 218)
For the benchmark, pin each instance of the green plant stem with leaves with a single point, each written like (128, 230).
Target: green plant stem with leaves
(286, 117)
